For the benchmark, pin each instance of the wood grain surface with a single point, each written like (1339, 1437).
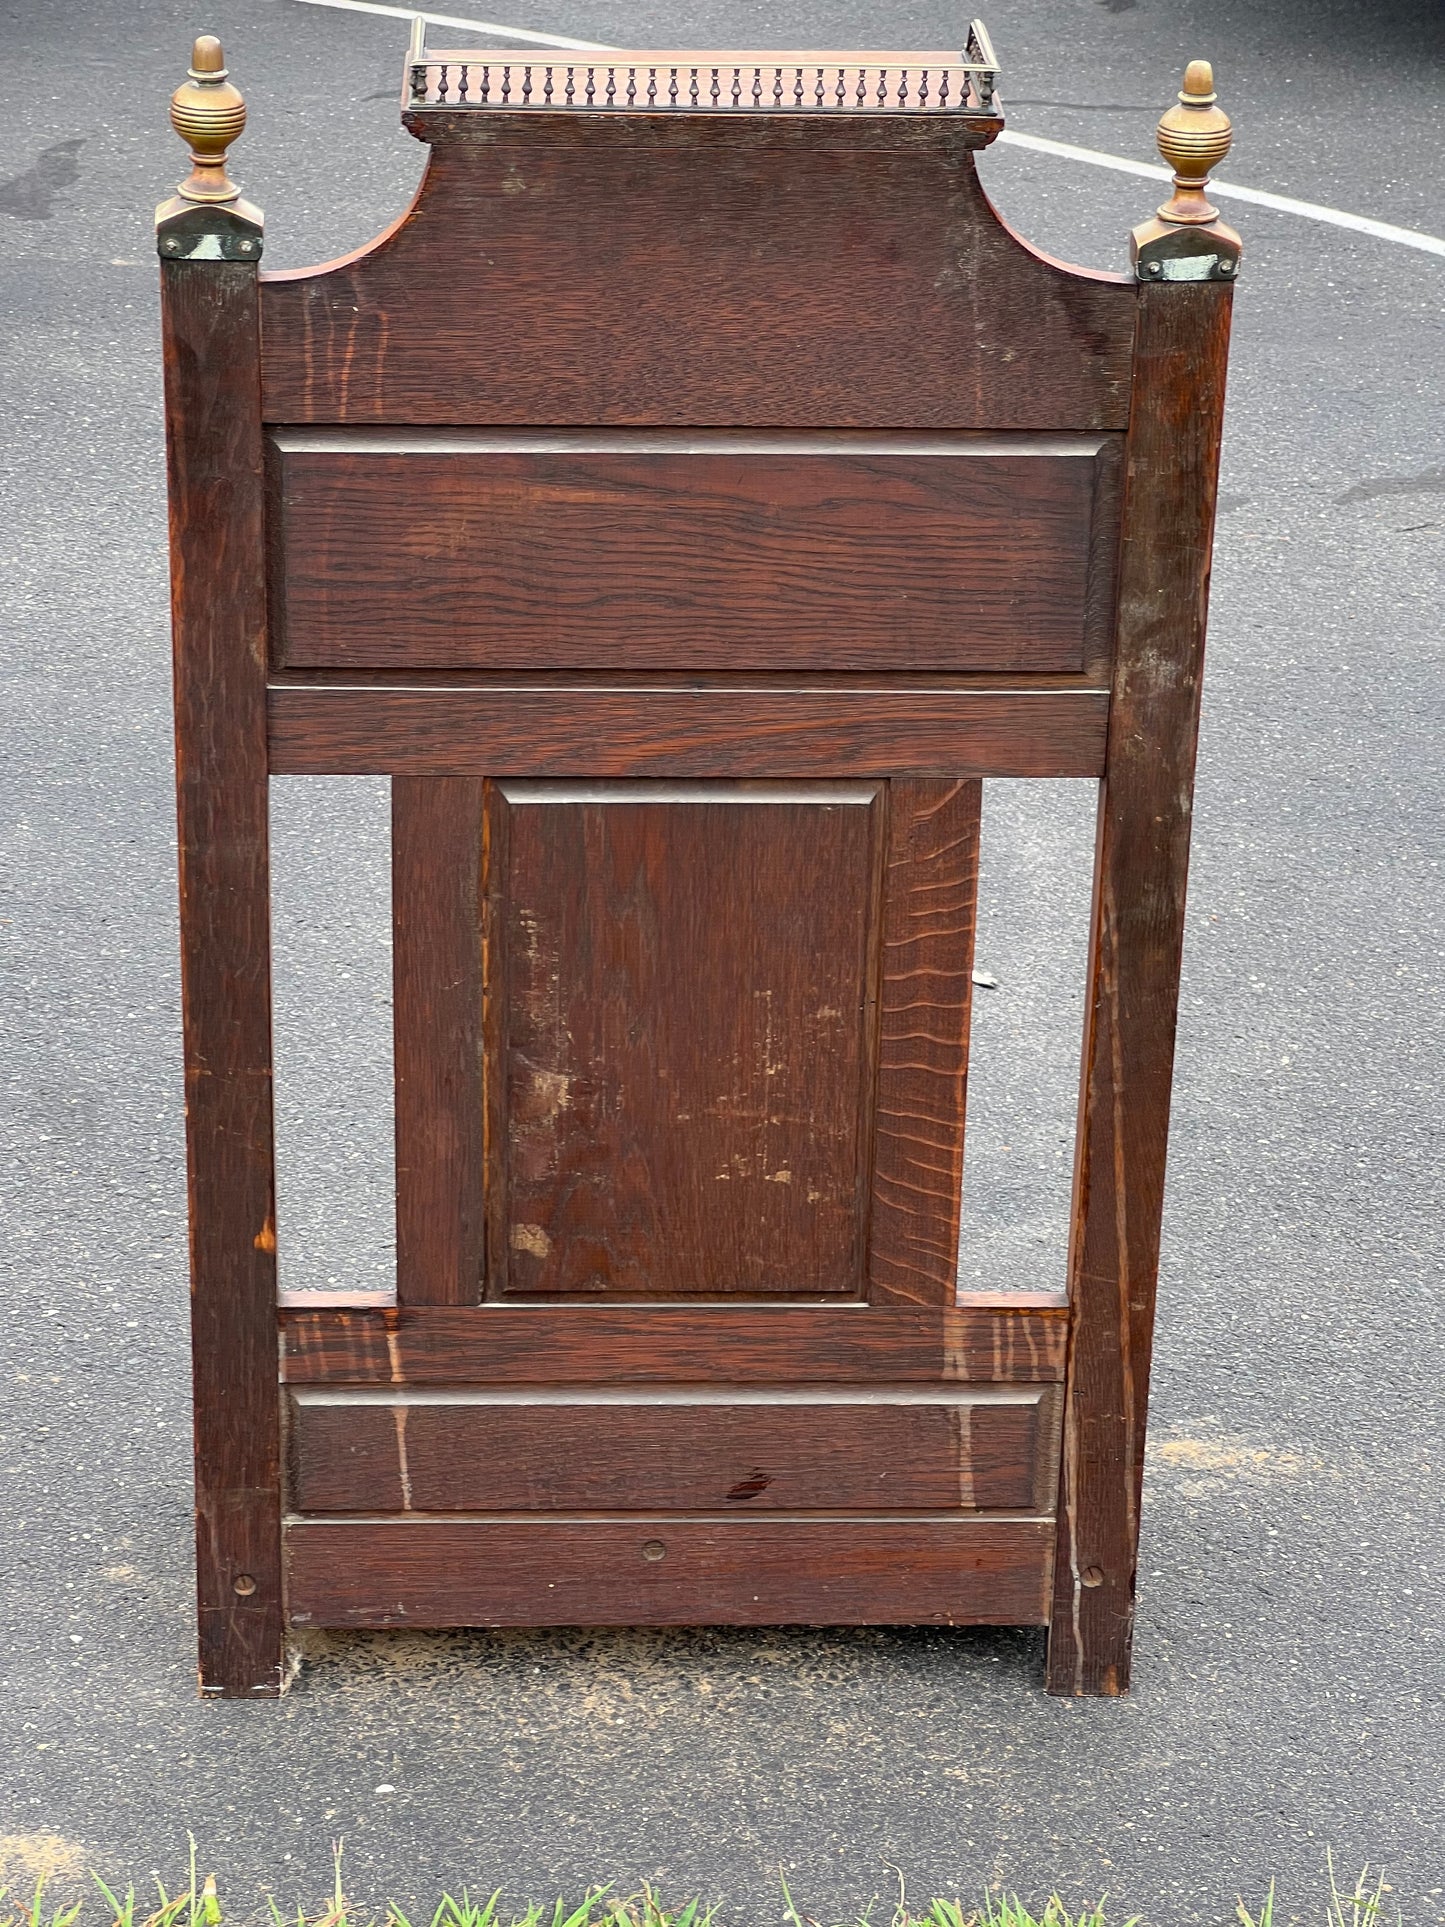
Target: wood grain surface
(755, 273)
(1171, 466)
(218, 610)
(436, 844)
(669, 1450)
(668, 1571)
(681, 1053)
(930, 890)
(557, 730)
(650, 552)
(671, 1344)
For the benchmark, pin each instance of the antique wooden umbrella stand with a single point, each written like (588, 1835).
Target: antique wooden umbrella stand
(686, 503)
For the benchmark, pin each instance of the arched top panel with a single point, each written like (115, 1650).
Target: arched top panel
(810, 260)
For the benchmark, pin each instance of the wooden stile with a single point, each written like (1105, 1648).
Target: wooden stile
(687, 504)
(210, 338)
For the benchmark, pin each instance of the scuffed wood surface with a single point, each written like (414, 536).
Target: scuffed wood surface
(670, 553)
(326, 729)
(668, 1571)
(436, 841)
(1171, 470)
(682, 1061)
(670, 1344)
(930, 892)
(586, 270)
(218, 610)
(680, 1449)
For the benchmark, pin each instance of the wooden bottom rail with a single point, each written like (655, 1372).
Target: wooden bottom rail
(663, 1571)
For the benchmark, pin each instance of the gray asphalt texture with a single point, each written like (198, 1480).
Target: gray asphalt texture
(1290, 1691)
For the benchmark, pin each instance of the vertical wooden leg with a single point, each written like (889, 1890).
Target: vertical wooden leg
(214, 452)
(1171, 462)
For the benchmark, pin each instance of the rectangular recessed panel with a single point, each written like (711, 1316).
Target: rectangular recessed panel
(680, 1036)
(669, 1571)
(685, 1449)
(663, 552)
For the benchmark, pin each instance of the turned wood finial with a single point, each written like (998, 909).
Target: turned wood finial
(1193, 137)
(208, 113)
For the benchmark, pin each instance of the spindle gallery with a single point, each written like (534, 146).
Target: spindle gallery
(687, 504)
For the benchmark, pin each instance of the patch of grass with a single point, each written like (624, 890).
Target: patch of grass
(198, 1904)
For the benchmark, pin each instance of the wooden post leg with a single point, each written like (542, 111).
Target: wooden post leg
(214, 460)
(1171, 464)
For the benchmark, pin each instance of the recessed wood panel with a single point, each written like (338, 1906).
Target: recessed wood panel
(677, 1449)
(668, 552)
(668, 1571)
(680, 1037)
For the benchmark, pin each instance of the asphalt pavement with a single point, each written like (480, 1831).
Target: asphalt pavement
(1290, 1690)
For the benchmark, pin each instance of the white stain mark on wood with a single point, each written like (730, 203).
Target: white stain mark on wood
(403, 1469)
(960, 1424)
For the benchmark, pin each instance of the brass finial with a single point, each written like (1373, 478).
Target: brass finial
(208, 113)
(1193, 138)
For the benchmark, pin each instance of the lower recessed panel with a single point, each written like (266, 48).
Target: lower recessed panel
(665, 1571)
(685, 1448)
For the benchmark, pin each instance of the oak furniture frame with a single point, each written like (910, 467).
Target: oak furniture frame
(687, 503)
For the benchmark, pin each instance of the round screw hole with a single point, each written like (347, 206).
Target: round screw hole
(1093, 1576)
(654, 1549)
(243, 1584)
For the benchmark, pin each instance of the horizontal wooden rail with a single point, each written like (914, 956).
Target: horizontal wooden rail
(504, 1344)
(572, 730)
(668, 1571)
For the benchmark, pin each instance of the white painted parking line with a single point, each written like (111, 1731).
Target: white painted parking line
(512, 35)
(1404, 237)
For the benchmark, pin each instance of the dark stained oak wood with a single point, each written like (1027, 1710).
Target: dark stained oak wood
(644, 551)
(675, 1449)
(755, 273)
(650, 460)
(670, 1344)
(1171, 470)
(668, 1570)
(682, 1055)
(437, 981)
(214, 465)
(930, 892)
(560, 730)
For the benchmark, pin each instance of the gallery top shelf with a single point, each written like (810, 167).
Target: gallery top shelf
(669, 82)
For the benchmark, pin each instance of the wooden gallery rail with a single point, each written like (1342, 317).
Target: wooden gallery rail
(686, 504)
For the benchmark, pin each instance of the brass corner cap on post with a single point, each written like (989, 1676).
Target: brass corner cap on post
(1186, 240)
(206, 219)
